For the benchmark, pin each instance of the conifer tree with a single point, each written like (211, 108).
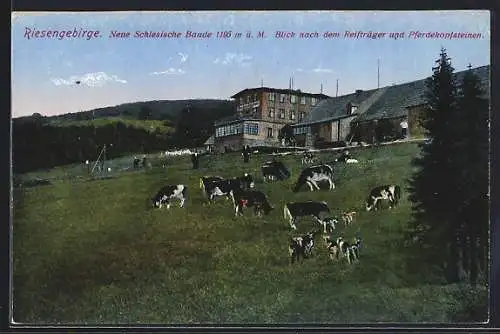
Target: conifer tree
(435, 227)
(474, 148)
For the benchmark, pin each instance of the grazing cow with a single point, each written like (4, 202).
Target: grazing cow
(343, 156)
(314, 174)
(328, 224)
(275, 170)
(292, 211)
(167, 193)
(204, 180)
(217, 188)
(250, 198)
(387, 192)
(307, 158)
(348, 217)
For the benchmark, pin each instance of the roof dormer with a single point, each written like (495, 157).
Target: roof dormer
(351, 108)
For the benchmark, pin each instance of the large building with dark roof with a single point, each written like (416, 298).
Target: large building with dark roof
(260, 114)
(371, 114)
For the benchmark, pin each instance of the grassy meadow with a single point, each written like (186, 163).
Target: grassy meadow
(95, 252)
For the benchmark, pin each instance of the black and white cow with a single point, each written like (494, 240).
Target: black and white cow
(308, 158)
(328, 224)
(350, 252)
(292, 211)
(302, 246)
(314, 174)
(204, 180)
(392, 193)
(250, 198)
(167, 193)
(223, 187)
(275, 170)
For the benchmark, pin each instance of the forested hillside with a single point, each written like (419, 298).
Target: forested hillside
(44, 142)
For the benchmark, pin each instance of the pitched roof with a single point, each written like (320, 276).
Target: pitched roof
(278, 90)
(210, 140)
(386, 102)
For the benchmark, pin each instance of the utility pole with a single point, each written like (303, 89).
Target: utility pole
(337, 91)
(378, 73)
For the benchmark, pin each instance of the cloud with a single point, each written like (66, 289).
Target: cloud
(170, 71)
(322, 70)
(319, 69)
(184, 56)
(234, 58)
(97, 79)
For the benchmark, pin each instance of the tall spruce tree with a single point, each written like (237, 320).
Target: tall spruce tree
(435, 228)
(474, 147)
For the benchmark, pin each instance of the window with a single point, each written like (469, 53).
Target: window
(255, 110)
(282, 98)
(302, 114)
(249, 98)
(271, 112)
(252, 129)
(228, 130)
(302, 100)
(293, 99)
(272, 96)
(292, 114)
(313, 101)
(269, 132)
(282, 113)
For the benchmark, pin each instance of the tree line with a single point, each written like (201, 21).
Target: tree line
(40, 143)
(449, 190)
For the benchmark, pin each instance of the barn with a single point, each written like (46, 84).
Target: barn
(371, 115)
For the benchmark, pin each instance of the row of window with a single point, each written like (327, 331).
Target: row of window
(282, 114)
(300, 131)
(292, 98)
(234, 129)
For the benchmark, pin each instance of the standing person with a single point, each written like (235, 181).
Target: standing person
(195, 160)
(404, 128)
(144, 161)
(246, 153)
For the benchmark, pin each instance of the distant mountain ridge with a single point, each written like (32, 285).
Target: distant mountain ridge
(159, 110)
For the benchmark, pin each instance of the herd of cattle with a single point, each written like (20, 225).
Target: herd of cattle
(241, 191)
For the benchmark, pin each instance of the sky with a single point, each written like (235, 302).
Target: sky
(112, 71)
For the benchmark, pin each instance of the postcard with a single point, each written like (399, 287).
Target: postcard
(236, 168)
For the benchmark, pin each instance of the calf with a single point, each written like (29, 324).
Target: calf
(250, 198)
(302, 246)
(224, 187)
(292, 211)
(167, 193)
(332, 247)
(387, 192)
(350, 252)
(314, 174)
(275, 170)
(348, 217)
(328, 224)
(296, 249)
